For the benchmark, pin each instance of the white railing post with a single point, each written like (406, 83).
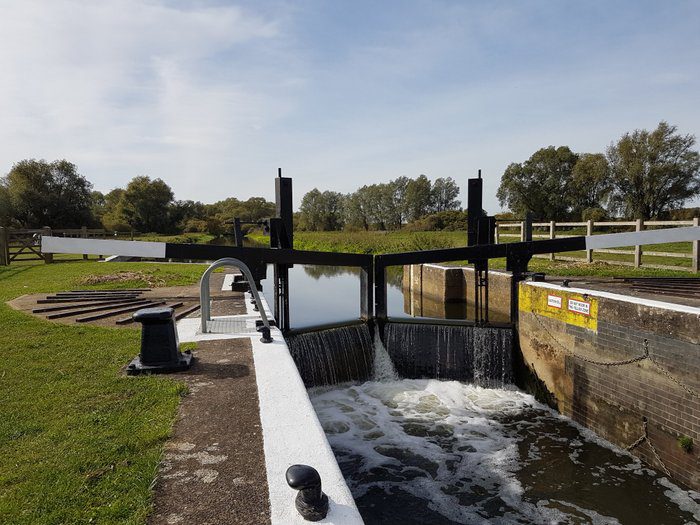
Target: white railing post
(496, 233)
(638, 247)
(552, 235)
(522, 231)
(589, 232)
(696, 248)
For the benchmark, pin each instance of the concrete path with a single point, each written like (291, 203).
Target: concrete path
(213, 470)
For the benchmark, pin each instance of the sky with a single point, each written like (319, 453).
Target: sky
(214, 96)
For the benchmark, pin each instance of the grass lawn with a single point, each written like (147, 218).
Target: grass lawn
(79, 443)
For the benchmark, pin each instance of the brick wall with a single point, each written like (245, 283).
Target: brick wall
(558, 345)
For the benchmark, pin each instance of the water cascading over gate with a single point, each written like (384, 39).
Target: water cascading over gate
(334, 355)
(474, 354)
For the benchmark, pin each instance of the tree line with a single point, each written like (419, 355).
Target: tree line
(644, 175)
(385, 206)
(37, 193)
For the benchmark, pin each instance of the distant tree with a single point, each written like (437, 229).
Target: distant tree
(418, 198)
(590, 183)
(321, 211)
(181, 212)
(685, 214)
(654, 172)
(6, 214)
(146, 205)
(541, 184)
(97, 200)
(444, 194)
(49, 194)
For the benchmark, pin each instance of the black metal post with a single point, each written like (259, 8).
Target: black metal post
(366, 292)
(283, 238)
(237, 232)
(380, 306)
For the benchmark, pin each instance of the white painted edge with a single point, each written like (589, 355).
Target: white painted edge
(291, 430)
(102, 247)
(619, 297)
(447, 267)
(615, 240)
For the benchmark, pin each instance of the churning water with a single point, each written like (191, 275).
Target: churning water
(419, 451)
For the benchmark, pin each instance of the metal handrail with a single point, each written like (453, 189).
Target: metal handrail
(205, 297)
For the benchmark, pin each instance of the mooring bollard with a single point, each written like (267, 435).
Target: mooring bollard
(159, 344)
(311, 502)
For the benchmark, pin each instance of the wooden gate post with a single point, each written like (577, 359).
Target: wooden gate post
(638, 247)
(83, 234)
(5, 249)
(48, 257)
(696, 248)
(552, 235)
(589, 232)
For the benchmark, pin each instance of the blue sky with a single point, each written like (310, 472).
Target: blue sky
(214, 96)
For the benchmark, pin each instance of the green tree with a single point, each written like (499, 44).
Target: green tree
(321, 211)
(6, 214)
(419, 198)
(590, 184)
(653, 172)
(541, 184)
(444, 195)
(146, 205)
(49, 194)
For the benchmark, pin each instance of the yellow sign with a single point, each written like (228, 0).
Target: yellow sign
(572, 308)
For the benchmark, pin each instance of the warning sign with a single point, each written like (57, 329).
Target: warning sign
(580, 307)
(560, 304)
(554, 301)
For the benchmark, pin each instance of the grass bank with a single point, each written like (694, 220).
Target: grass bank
(376, 242)
(79, 443)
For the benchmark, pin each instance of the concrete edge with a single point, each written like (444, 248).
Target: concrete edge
(619, 297)
(448, 267)
(291, 430)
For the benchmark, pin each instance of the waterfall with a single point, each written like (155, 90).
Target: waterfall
(332, 356)
(482, 355)
(382, 368)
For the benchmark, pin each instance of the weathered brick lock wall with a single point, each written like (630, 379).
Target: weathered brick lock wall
(624, 367)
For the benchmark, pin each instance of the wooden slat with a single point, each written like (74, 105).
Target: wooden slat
(117, 312)
(60, 315)
(82, 305)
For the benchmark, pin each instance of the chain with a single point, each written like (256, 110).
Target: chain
(642, 357)
(672, 378)
(645, 437)
(588, 360)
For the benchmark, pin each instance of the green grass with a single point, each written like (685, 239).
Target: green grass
(79, 443)
(604, 265)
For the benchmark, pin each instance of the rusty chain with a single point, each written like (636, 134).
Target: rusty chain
(644, 356)
(645, 437)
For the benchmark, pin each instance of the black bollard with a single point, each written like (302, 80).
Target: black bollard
(311, 502)
(159, 344)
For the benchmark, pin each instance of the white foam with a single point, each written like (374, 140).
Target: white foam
(437, 440)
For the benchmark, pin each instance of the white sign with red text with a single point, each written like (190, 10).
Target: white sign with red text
(554, 301)
(580, 307)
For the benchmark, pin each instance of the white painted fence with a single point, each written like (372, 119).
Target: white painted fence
(548, 230)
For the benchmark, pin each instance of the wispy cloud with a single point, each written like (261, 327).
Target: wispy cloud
(212, 97)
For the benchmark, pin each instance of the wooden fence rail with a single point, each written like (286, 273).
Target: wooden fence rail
(25, 245)
(548, 230)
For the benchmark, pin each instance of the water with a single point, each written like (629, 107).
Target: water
(332, 356)
(328, 294)
(420, 451)
(479, 355)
